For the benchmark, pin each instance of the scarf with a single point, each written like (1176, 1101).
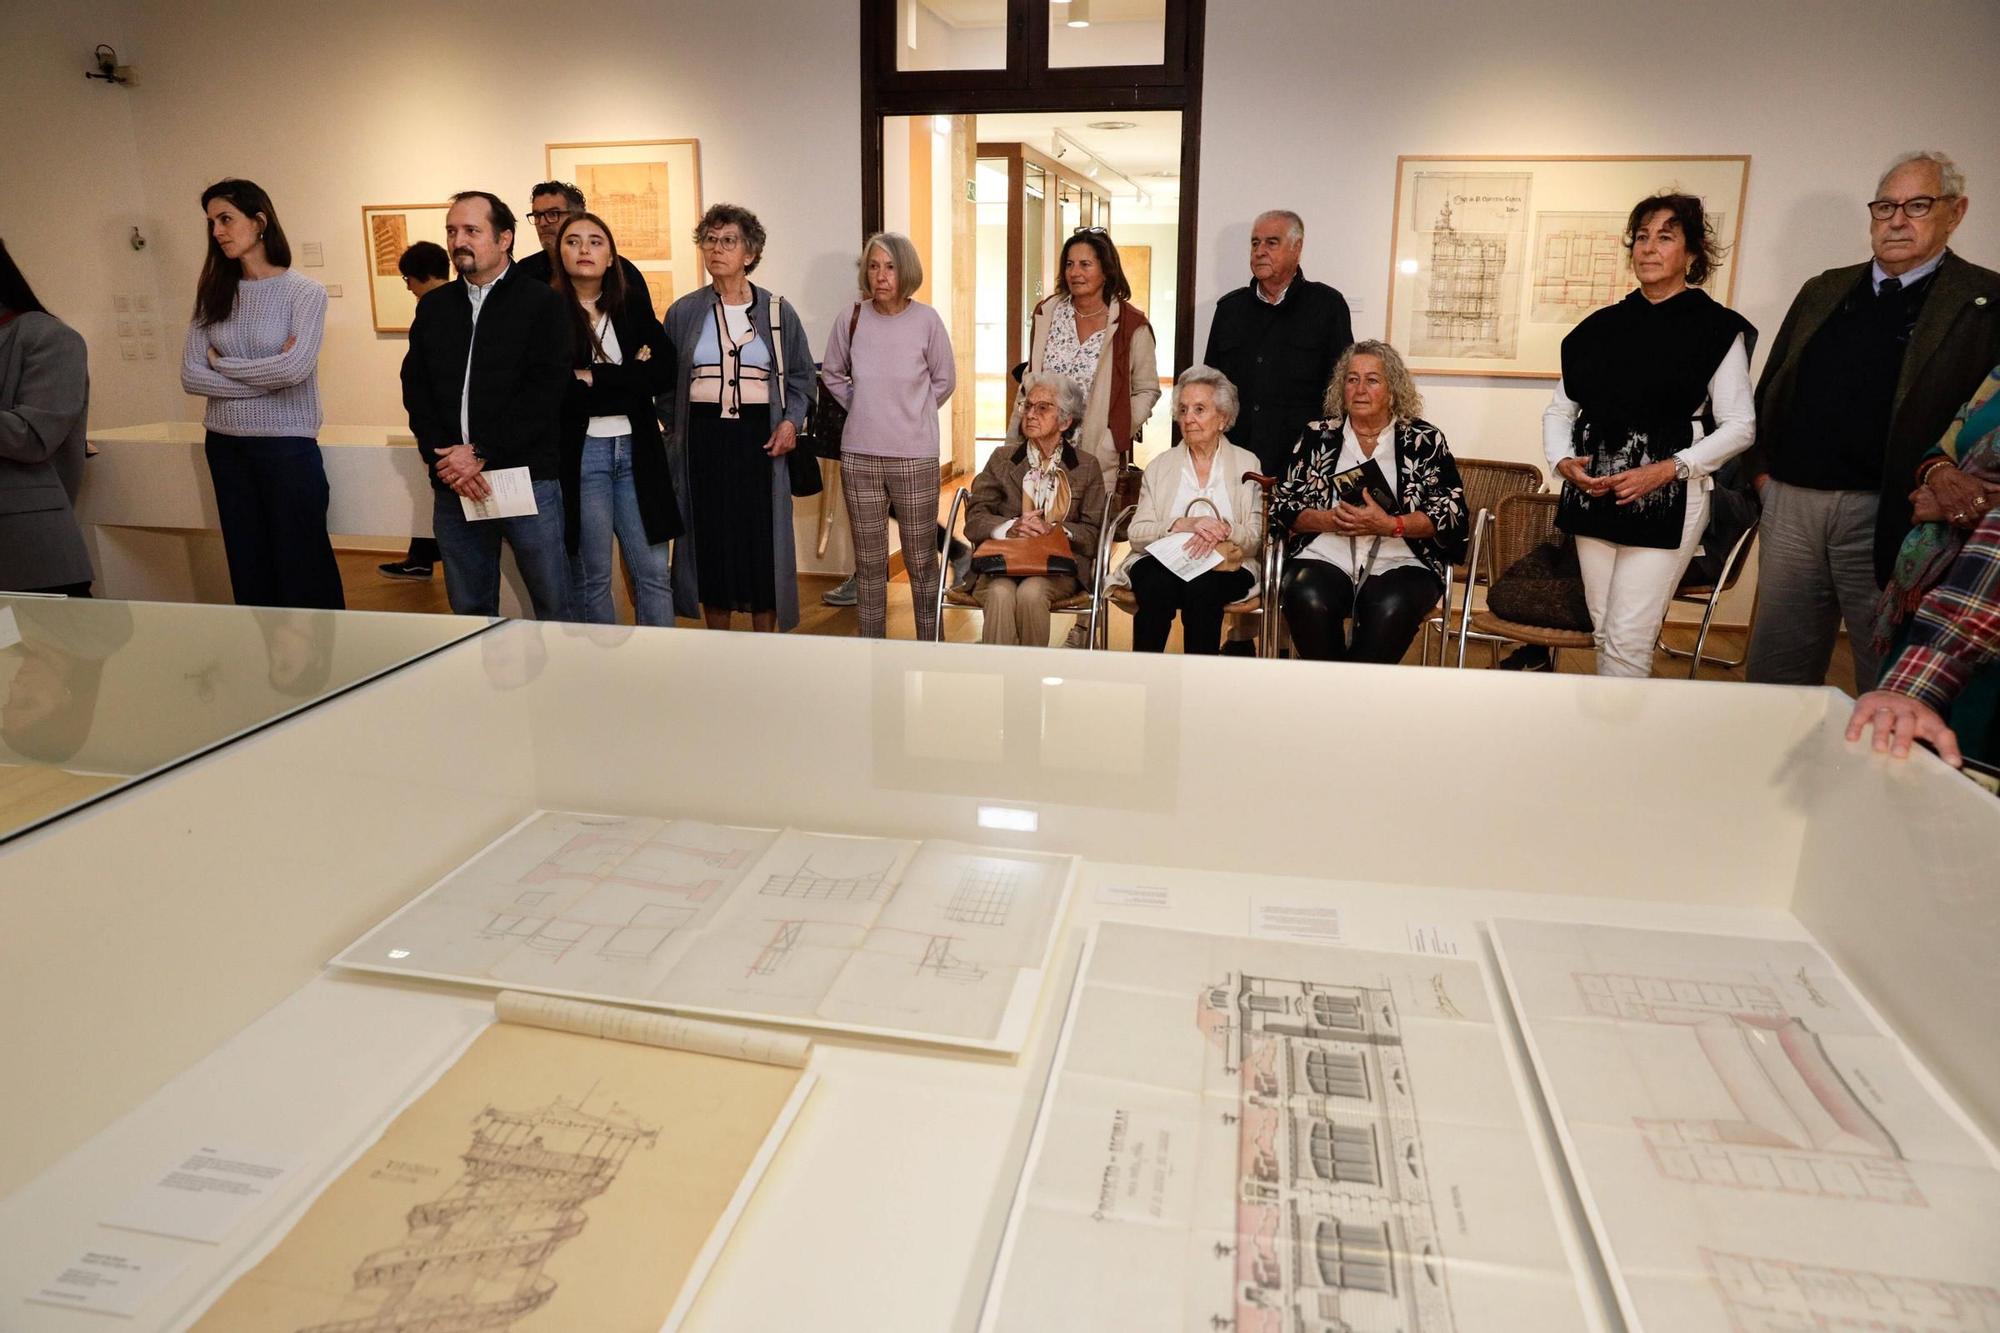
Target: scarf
(1045, 485)
(1972, 442)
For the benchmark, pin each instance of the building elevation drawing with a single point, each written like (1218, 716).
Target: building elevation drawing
(1759, 1154)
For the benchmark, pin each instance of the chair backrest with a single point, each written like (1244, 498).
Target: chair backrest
(1732, 567)
(1487, 483)
(1520, 524)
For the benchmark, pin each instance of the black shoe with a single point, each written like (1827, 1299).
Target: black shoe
(1239, 648)
(1528, 657)
(405, 569)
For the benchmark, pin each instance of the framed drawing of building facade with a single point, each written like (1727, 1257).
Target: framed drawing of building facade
(1494, 259)
(386, 231)
(648, 191)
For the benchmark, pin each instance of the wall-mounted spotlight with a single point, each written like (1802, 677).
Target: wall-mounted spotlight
(1079, 14)
(109, 70)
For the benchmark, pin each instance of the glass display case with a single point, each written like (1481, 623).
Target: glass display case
(96, 695)
(176, 988)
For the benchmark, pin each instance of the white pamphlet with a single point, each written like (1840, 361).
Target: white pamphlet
(1172, 551)
(513, 496)
(1315, 923)
(107, 1281)
(204, 1193)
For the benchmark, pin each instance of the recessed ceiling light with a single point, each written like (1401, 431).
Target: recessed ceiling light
(1112, 125)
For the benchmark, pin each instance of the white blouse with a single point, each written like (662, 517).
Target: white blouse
(1730, 398)
(1217, 492)
(608, 428)
(1348, 554)
(1062, 354)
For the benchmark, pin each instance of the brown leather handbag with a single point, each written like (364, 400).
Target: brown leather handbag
(1026, 557)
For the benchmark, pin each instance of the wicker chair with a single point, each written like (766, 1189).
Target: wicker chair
(1086, 603)
(1487, 483)
(1708, 598)
(1263, 599)
(1504, 535)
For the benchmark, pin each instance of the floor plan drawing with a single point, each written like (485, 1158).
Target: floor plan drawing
(1580, 264)
(935, 939)
(1267, 1137)
(1473, 227)
(1772, 1296)
(1723, 1097)
(511, 1195)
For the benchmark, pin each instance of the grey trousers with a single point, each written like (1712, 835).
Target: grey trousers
(1815, 571)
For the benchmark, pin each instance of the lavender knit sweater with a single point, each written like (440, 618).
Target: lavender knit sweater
(255, 387)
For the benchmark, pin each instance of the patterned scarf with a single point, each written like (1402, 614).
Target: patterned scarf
(1972, 442)
(1045, 485)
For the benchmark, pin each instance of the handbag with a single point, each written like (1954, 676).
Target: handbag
(1026, 557)
(1543, 588)
(1228, 548)
(801, 465)
(826, 419)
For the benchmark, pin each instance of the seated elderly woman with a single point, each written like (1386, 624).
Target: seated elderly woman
(1041, 483)
(1380, 558)
(1194, 506)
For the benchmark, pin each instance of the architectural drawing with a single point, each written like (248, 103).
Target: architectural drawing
(474, 1257)
(632, 198)
(1266, 1137)
(1473, 226)
(1773, 1296)
(923, 939)
(390, 234)
(516, 1189)
(1724, 1096)
(1580, 264)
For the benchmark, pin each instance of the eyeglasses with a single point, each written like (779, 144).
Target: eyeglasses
(1884, 209)
(1032, 406)
(730, 241)
(548, 215)
(1090, 231)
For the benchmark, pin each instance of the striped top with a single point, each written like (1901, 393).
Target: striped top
(255, 387)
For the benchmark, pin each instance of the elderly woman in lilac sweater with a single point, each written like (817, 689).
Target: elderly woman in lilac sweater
(889, 364)
(253, 352)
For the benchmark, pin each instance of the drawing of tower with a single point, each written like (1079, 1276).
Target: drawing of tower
(1462, 300)
(473, 1260)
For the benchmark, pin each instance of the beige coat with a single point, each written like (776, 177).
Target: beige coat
(1155, 515)
(1094, 436)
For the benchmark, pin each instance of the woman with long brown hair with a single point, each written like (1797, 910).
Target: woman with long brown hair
(253, 352)
(614, 463)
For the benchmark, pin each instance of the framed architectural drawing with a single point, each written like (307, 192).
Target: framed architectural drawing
(1494, 259)
(1264, 1135)
(649, 192)
(386, 231)
(1753, 1149)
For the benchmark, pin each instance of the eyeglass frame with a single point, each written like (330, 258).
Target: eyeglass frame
(1929, 202)
(1090, 231)
(550, 214)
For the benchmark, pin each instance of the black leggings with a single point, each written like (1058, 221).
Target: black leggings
(1200, 600)
(1318, 596)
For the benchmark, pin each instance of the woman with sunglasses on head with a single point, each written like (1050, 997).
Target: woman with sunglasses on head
(253, 352)
(44, 402)
(1091, 332)
(614, 464)
(732, 417)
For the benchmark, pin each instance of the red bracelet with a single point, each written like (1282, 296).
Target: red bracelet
(1399, 525)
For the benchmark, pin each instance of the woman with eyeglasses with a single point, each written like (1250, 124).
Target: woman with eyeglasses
(1655, 396)
(253, 352)
(1091, 332)
(732, 418)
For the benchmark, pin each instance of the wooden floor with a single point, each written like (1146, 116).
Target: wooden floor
(368, 590)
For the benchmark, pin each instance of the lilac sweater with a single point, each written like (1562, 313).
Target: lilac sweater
(892, 381)
(255, 387)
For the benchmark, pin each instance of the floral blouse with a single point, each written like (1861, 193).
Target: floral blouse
(1062, 354)
(1427, 482)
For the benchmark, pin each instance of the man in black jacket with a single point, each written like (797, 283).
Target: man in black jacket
(1277, 340)
(483, 383)
(551, 204)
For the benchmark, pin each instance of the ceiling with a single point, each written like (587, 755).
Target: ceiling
(1153, 144)
(993, 13)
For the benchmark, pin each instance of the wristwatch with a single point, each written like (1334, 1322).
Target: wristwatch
(1681, 469)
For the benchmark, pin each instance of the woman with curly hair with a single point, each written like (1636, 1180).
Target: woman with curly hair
(1356, 551)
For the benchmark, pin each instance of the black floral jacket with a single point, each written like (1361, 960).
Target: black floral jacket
(1425, 474)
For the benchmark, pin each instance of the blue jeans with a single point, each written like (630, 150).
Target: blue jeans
(271, 497)
(607, 504)
(471, 554)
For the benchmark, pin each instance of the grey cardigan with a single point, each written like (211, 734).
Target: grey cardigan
(44, 401)
(683, 324)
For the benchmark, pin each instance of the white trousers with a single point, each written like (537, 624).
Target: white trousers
(1627, 589)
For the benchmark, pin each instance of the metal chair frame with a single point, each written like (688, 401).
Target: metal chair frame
(1732, 570)
(1090, 616)
(1471, 575)
(1263, 599)
(1487, 519)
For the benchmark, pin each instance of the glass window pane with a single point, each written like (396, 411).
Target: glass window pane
(951, 34)
(1107, 32)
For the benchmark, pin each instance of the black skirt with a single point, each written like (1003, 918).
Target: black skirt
(729, 475)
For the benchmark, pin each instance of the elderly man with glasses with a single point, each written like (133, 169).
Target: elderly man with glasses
(1868, 369)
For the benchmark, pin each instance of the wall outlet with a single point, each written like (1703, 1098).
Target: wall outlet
(315, 254)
